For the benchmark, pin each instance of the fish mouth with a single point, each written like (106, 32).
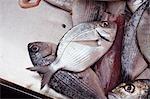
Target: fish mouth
(47, 55)
(102, 36)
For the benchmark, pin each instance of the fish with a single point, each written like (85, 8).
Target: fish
(80, 48)
(28, 3)
(130, 50)
(87, 11)
(134, 4)
(139, 89)
(143, 34)
(84, 85)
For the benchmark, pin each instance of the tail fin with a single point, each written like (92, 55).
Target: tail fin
(45, 70)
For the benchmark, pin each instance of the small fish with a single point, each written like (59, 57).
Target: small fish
(130, 50)
(73, 85)
(80, 48)
(87, 11)
(139, 89)
(134, 4)
(143, 34)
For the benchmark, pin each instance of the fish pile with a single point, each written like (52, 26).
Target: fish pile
(103, 56)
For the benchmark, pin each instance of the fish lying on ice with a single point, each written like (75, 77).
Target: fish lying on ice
(80, 48)
(84, 85)
(139, 89)
(130, 50)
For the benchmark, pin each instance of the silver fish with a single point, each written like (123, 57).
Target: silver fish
(139, 89)
(80, 48)
(74, 85)
(130, 49)
(143, 34)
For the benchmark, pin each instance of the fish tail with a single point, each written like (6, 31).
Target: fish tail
(46, 71)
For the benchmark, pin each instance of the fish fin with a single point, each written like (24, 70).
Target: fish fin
(45, 70)
(46, 78)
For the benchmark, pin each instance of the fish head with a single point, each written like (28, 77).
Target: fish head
(107, 30)
(134, 4)
(41, 53)
(139, 89)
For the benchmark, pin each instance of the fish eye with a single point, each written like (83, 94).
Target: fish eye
(104, 23)
(34, 48)
(129, 88)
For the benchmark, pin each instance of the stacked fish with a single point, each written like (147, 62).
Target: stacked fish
(102, 56)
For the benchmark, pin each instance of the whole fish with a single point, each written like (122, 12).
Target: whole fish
(84, 85)
(134, 4)
(139, 89)
(130, 51)
(143, 34)
(87, 11)
(80, 48)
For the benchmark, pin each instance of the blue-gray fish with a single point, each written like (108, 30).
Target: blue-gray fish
(139, 89)
(130, 51)
(80, 48)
